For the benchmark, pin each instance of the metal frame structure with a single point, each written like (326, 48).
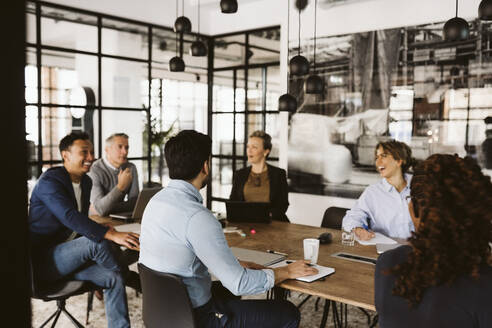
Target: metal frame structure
(246, 66)
(39, 47)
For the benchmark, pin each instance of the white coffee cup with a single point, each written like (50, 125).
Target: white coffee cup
(311, 250)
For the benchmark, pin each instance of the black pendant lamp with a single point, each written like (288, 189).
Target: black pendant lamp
(176, 64)
(298, 64)
(198, 48)
(182, 23)
(456, 29)
(485, 10)
(314, 84)
(228, 6)
(287, 102)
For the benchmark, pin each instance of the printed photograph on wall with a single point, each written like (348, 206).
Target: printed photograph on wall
(406, 84)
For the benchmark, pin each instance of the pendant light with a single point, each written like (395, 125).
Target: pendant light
(176, 64)
(456, 29)
(485, 10)
(298, 64)
(228, 6)
(287, 102)
(182, 23)
(314, 84)
(198, 48)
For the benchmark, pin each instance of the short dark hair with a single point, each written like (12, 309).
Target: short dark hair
(185, 154)
(69, 139)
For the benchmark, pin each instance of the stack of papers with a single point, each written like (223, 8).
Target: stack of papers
(322, 271)
(377, 239)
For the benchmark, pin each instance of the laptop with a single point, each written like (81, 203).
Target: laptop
(143, 198)
(238, 211)
(263, 258)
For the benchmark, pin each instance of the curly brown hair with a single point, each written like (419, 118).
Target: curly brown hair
(452, 198)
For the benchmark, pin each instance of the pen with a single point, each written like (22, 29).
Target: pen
(365, 226)
(289, 262)
(273, 252)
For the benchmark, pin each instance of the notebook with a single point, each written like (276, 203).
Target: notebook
(143, 198)
(130, 227)
(238, 211)
(263, 258)
(379, 238)
(322, 271)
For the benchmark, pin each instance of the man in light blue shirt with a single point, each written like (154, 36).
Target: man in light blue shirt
(383, 206)
(181, 236)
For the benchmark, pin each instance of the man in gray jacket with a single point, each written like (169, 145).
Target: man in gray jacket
(114, 179)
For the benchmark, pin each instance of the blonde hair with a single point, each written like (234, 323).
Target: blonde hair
(267, 139)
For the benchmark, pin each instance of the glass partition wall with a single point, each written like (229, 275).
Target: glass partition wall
(103, 74)
(245, 90)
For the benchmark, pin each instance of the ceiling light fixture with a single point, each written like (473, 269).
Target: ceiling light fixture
(287, 102)
(182, 23)
(485, 10)
(298, 64)
(176, 64)
(314, 83)
(228, 6)
(456, 29)
(198, 48)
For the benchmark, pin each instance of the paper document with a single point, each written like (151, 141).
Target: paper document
(130, 227)
(379, 238)
(322, 271)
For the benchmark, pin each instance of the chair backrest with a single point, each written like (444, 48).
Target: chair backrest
(333, 217)
(165, 300)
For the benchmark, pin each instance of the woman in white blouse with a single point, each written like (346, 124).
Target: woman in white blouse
(383, 206)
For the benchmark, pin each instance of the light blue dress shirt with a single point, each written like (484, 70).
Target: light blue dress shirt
(181, 236)
(382, 208)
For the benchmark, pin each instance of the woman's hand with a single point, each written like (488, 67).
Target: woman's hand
(363, 234)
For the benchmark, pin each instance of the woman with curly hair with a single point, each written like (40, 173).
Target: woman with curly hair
(444, 277)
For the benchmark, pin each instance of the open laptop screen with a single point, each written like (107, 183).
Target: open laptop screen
(238, 211)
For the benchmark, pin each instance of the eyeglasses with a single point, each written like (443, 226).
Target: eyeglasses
(257, 181)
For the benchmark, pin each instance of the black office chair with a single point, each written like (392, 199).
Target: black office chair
(165, 300)
(333, 217)
(59, 291)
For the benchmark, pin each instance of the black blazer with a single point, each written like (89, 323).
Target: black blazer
(279, 199)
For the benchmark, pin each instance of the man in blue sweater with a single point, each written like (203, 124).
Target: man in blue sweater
(65, 241)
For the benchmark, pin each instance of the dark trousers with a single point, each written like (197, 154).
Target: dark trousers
(227, 310)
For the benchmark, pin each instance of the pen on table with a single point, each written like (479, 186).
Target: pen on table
(289, 262)
(274, 252)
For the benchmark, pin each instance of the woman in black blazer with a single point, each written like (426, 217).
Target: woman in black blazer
(261, 182)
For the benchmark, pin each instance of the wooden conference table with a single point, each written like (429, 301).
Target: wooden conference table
(352, 283)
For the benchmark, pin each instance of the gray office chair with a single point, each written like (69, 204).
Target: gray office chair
(165, 300)
(59, 291)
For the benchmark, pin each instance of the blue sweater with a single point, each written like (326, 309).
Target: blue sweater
(53, 213)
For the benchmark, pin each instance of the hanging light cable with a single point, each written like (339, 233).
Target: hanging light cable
(176, 64)
(299, 65)
(182, 23)
(456, 29)
(287, 102)
(314, 83)
(198, 48)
